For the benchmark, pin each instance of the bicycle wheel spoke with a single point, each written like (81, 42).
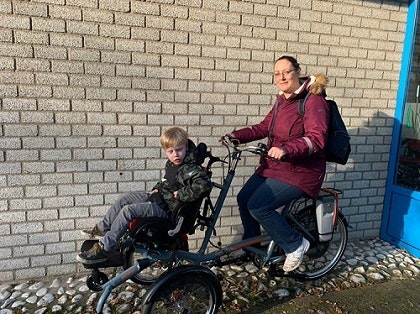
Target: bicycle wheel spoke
(185, 296)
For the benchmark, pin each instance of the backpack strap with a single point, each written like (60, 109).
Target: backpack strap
(302, 103)
(273, 119)
(301, 109)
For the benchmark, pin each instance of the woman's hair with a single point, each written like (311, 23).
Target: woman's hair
(174, 137)
(292, 60)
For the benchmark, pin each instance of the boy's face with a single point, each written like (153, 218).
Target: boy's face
(176, 154)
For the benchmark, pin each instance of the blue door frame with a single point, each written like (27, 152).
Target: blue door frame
(401, 214)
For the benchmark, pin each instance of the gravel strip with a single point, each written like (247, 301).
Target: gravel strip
(364, 262)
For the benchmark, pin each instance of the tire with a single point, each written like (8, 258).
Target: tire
(96, 280)
(185, 289)
(150, 274)
(322, 257)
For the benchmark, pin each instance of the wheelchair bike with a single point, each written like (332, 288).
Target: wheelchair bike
(155, 249)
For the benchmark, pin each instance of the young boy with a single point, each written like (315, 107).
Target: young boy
(184, 181)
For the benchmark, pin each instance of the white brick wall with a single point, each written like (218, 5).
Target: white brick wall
(87, 87)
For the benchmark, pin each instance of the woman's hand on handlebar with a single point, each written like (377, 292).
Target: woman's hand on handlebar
(276, 153)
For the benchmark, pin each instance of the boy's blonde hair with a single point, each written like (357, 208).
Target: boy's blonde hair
(174, 137)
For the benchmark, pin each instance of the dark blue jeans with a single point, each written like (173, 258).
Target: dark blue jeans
(258, 202)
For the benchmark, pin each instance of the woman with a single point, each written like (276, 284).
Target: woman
(296, 164)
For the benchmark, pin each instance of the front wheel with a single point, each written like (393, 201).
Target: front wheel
(322, 257)
(185, 289)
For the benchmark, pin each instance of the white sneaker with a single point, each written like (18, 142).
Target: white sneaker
(294, 259)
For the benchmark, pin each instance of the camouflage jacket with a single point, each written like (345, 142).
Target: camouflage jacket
(192, 182)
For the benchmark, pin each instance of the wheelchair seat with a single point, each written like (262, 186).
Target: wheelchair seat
(180, 222)
(155, 230)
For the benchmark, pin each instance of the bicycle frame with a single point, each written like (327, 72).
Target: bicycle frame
(200, 256)
(120, 279)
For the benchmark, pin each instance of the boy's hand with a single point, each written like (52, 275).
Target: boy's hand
(154, 191)
(176, 194)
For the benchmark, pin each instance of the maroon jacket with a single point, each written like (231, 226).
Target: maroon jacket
(303, 140)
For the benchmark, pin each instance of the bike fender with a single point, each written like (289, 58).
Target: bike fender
(182, 271)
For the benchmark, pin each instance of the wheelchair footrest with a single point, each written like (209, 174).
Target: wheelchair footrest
(114, 257)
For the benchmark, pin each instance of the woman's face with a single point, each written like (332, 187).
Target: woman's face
(286, 77)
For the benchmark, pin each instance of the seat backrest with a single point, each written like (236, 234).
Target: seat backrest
(190, 212)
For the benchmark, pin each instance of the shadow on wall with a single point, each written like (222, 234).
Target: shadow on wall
(363, 178)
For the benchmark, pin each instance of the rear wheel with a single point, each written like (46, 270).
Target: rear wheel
(322, 257)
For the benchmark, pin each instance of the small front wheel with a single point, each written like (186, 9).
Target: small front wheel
(96, 280)
(185, 289)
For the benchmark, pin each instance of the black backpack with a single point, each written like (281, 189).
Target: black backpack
(338, 143)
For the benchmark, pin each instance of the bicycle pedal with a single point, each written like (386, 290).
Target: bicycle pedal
(273, 271)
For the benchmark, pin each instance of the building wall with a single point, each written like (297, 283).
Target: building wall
(87, 87)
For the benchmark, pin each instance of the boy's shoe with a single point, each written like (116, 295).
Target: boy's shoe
(94, 232)
(96, 254)
(294, 259)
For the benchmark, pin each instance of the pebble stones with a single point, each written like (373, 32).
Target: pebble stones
(243, 286)
(282, 293)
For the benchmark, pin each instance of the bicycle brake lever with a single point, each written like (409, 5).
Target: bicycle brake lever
(262, 149)
(230, 141)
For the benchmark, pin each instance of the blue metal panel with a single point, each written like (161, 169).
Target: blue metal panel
(404, 221)
(401, 213)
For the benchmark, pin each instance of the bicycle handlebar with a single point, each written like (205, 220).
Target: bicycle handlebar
(230, 142)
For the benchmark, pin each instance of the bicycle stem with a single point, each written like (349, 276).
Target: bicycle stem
(220, 200)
